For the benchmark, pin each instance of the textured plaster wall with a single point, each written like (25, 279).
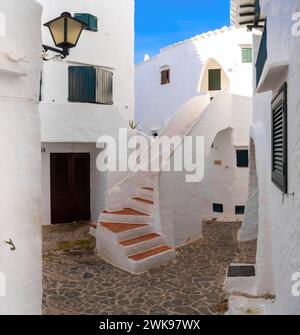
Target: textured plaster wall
(279, 229)
(20, 66)
(183, 206)
(111, 47)
(188, 62)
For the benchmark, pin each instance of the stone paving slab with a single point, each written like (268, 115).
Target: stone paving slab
(80, 282)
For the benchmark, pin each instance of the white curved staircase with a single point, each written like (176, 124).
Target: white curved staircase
(127, 233)
(127, 237)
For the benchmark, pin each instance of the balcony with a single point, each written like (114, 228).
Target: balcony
(262, 56)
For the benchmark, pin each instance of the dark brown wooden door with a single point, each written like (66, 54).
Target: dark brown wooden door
(70, 187)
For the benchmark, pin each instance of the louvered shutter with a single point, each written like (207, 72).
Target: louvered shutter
(279, 140)
(214, 80)
(82, 84)
(104, 87)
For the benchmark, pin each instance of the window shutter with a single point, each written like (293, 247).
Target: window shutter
(165, 77)
(82, 84)
(279, 140)
(214, 80)
(104, 87)
(247, 55)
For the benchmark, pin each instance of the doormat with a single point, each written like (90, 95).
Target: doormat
(241, 271)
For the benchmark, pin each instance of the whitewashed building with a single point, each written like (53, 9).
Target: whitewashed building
(85, 96)
(272, 213)
(198, 87)
(20, 67)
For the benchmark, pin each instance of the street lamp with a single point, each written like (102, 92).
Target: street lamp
(65, 31)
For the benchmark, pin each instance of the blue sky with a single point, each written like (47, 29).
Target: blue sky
(159, 23)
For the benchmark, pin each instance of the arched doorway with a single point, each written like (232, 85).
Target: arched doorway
(213, 78)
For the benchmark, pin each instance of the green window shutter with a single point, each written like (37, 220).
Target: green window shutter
(82, 84)
(279, 140)
(247, 55)
(91, 21)
(214, 80)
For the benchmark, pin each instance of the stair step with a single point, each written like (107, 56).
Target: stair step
(139, 239)
(148, 188)
(149, 253)
(121, 227)
(145, 201)
(126, 211)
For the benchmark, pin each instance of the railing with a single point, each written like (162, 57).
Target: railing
(262, 56)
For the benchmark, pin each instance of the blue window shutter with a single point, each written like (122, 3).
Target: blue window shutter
(82, 84)
(91, 21)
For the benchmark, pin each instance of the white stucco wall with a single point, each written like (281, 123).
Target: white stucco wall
(184, 206)
(111, 47)
(188, 62)
(20, 66)
(278, 255)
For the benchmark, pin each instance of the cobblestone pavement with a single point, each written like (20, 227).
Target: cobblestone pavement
(79, 282)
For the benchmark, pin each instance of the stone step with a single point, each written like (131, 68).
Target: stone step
(116, 227)
(126, 215)
(139, 239)
(149, 253)
(125, 231)
(142, 243)
(143, 200)
(143, 205)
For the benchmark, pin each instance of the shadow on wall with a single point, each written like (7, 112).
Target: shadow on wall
(249, 230)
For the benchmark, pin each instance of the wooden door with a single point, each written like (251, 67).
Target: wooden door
(70, 187)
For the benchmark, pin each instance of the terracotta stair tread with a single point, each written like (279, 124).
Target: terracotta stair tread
(148, 188)
(145, 201)
(121, 227)
(126, 211)
(139, 239)
(152, 252)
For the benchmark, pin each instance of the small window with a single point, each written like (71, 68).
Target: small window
(90, 84)
(214, 80)
(247, 55)
(239, 210)
(218, 208)
(242, 157)
(165, 77)
(279, 140)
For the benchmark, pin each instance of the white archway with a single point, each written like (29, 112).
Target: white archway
(212, 64)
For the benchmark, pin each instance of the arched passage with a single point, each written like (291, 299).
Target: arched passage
(213, 78)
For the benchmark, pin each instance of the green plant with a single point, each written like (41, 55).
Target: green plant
(132, 124)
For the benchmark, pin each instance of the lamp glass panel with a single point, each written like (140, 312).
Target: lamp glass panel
(74, 30)
(57, 29)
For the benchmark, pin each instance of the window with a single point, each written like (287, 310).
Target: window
(247, 55)
(91, 21)
(165, 77)
(218, 208)
(279, 140)
(242, 158)
(214, 80)
(90, 84)
(239, 210)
